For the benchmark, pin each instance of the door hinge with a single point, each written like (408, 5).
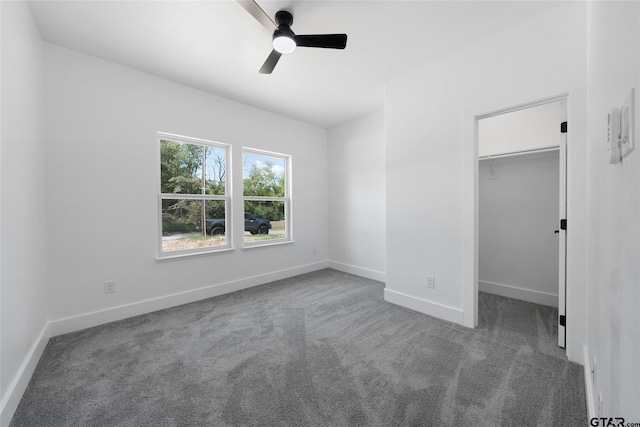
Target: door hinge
(563, 127)
(563, 320)
(563, 224)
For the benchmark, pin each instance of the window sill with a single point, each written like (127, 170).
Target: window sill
(264, 245)
(170, 257)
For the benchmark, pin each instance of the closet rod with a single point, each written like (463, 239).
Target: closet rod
(518, 153)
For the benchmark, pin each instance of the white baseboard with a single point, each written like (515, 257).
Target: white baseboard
(380, 276)
(508, 291)
(589, 386)
(434, 309)
(20, 382)
(88, 320)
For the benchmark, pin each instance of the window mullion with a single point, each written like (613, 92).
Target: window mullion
(266, 198)
(193, 196)
(202, 172)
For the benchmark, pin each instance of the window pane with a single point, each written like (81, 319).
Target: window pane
(182, 224)
(180, 168)
(264, 220)
(215, 170)
(263, 175)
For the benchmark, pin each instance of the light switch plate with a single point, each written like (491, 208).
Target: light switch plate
(627, 125)
(613, 136)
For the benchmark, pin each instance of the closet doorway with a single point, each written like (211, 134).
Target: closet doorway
(521, 202)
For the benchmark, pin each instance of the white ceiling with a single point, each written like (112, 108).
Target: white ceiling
(218, 47)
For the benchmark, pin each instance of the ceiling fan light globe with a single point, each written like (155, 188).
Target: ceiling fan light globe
(284, 44)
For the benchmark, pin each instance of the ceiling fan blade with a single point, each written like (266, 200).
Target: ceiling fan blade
(271, 62)
(330, 41)
(256, 11)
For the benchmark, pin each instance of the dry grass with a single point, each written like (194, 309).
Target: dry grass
(197, 241)
(193, 241)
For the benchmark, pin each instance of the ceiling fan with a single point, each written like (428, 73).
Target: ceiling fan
(284, 40)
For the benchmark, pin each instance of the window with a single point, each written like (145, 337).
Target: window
(193, 202)
(265, 188)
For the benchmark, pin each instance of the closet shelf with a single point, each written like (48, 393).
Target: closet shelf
(520, 153)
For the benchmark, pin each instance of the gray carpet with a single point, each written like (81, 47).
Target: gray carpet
(322, 349)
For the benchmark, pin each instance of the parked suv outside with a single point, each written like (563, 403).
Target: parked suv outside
(252, 224)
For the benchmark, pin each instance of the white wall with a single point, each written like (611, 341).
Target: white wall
(101, 124)
(527, 129)
(614, 210)
(518, 213)
(23, 231)
(357, 197)
(431, 153)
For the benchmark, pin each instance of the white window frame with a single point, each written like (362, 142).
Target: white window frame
(202, 197)
(288, 237)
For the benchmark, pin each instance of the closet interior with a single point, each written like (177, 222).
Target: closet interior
(519, 184)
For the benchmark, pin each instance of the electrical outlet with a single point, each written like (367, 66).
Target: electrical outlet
(109, 286)
(431, 282)
(315, 252)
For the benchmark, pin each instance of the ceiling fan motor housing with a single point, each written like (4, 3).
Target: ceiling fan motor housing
(283, 32)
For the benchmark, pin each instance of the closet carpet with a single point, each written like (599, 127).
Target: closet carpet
(321, 349)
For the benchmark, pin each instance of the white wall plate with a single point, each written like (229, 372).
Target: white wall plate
(627, 124)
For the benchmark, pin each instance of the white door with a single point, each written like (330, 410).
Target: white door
(562, 242)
